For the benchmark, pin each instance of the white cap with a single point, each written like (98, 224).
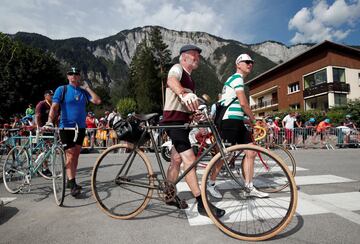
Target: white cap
(243, 57)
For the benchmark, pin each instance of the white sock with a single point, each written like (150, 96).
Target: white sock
(249, 185)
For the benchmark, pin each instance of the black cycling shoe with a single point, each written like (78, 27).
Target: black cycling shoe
(68, 185)
(46, 172)
(179, 203)
(75, 191)
(218, 211)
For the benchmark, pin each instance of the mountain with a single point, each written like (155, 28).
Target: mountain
(278, 52)
(106, 61)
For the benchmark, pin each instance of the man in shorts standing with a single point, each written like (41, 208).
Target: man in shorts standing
(42, 110)
(180, 104)
(72, 100)
(232, 126)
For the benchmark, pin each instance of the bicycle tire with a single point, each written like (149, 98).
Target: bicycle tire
(114, 194)
(15, 169)
(249, 218)
(287, 158)
(57, 159)
(4, 150)
(166, 154)
(285, 155)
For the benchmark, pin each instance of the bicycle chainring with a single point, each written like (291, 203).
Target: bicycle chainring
(167, 191)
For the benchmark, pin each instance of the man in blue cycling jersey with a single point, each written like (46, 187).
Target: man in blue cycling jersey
(71, 100)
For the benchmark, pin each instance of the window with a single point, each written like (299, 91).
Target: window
(295, 106)
(340, 99)
(261, 101)
(315, 79)
(294, 87)
(339, 75)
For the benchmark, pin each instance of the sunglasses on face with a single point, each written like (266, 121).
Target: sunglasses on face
(71, 73)
(248, 62)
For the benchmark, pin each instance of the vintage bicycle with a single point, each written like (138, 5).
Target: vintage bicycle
(20, 166)
(123, 181)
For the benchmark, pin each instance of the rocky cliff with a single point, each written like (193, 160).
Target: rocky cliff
(107, 60)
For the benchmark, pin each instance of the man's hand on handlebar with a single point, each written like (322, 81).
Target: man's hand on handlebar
(48, 126)
(190, 100)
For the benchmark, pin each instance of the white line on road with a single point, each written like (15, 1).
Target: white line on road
(300, 181)
(6, 200)
(307, 205)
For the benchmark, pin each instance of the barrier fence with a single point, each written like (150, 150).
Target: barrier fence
(331, 138)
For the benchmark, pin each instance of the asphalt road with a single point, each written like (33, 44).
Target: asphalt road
(328, 210)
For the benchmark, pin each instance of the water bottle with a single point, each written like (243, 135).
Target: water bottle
(39, 158)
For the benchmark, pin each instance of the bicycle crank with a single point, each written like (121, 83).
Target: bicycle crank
(166, 191)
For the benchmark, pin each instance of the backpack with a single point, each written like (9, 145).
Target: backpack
(220, 111)
(63, 93)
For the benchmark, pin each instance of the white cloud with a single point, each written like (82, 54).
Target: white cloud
(93, 19)
(325, 22)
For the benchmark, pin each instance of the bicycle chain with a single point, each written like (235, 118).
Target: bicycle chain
(166, 191)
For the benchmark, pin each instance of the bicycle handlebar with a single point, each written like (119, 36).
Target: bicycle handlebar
(42, 129)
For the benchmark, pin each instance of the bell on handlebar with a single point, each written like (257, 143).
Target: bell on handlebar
(206, 98)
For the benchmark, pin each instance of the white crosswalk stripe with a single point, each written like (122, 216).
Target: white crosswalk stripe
(7, 199)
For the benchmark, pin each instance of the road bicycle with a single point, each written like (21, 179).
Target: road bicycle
(123, 181)
(262, 167)
(20, 167)
(259, 133)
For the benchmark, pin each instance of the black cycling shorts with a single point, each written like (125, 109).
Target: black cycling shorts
(179, 137)
(234, 131)
(67, 138)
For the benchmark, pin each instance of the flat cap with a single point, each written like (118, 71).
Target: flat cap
(189, 47)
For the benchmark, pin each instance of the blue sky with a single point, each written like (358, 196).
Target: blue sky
(248, 21)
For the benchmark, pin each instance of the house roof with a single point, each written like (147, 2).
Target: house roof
(325, 45)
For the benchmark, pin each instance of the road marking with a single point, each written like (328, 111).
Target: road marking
(6, 200)
(300, 181)
(201, 171)
(320, 179)
(338, 203)
(347, 200)
(334, 204)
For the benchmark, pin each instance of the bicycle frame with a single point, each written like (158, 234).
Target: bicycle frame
(148, 129)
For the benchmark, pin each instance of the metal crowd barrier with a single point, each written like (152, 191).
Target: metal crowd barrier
(331, 138)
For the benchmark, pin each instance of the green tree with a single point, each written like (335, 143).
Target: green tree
(126, 106)
(162, 58)
(147, 84)
(352, 108)
(147, 71)
(25, 73)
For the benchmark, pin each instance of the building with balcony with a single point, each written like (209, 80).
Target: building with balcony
(324, 76)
